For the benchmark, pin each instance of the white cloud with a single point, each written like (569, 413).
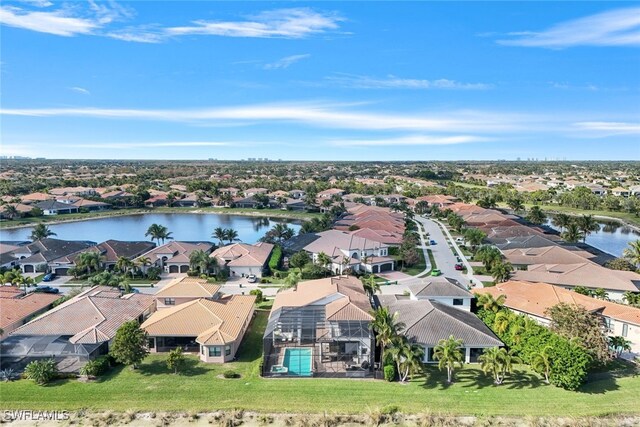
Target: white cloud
(393, 82)
(315, 114)
(59, 22)
(411, 140)
(599, 129)
(619, 27)
(285, 23)
(133, 145)
(81, 90)
(285, 62)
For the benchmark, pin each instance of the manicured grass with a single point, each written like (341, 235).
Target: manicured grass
(432, 259)
(154, 388)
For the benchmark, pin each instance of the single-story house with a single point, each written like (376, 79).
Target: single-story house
(243, 259)
(53, 207)
(212, 328)
(16, 308)
(36, 256)
(533, 299)
(173, 257)
(441, 289)
(428, 321)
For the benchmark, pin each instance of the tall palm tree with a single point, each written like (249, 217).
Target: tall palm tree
(282, 232)
(90, 261)
(542, 362)
(156, 232)
(572, 233)
(201, 261)
(488, 255)
(449, 354)
(619, 345)
(407, 356)
(292, 280)
(219, 233)
(499, 362)
(632, 253)
(124, 264)
(371, 286)
(143, 261)
(231, 235)
(11, 212)
(474, 237)
(323, 259)
(587, 225)
(561, 221)
(386, 327)
(501, 271)
(41, 231)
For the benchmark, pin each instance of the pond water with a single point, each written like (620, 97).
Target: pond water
(184, 226)
(612, 238)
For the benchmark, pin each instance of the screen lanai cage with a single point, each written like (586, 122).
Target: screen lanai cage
(300, 342)
(18, 350)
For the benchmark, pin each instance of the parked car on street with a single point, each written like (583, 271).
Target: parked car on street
(459, 267)
(432, 242)
(435, 272)
(49, 277)
(252, 278)
(47, 290)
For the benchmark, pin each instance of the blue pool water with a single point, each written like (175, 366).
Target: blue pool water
(298, 361)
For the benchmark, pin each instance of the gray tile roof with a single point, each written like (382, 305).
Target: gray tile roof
(427, 322)
(440, 287)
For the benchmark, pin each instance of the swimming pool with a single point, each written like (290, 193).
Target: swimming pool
(298, 361)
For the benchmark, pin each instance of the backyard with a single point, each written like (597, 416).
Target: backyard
(201, 388)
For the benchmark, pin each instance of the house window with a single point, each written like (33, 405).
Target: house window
(152, 343)
(215, 351)
(625, 330)
(608, 324)
(227, 350)
(458, 301)
(169, 301)
(202, 350)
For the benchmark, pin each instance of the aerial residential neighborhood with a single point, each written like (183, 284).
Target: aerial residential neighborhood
(319, 214)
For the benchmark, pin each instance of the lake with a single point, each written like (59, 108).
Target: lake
(612, 238)
(184, 226)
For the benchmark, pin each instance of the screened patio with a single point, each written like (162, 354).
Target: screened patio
(299, 341)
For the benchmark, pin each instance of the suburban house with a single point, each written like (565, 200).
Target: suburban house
(535, 241)
(91, 205)
(348, 251)
(212, 328)
(183, 290)
(327, 194)
(110, 251)
(428, 321)
(73, 191)
(77, 330)
(249, 192)
(36, 256)
(16, 308)
(441, 289)
(522, 257)
(243, 259)
(297, 194)
(587, 274)
(320, 328)
(173, 257)
(31, 198)
(53, 207)
(533, 299)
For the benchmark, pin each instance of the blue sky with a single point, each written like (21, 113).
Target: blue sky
(325, 80)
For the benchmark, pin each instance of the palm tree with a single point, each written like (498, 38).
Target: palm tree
(219, 233)
(489, 303)
(488, 255)
(619, 345)
(631, 298)
(323, 259)
(541, 362)
(474, 237)
(587, 225)
(41, 231)
(11, 212)
(143, 261)
(90, 261)
(498, 362)
(572, 233)
(503, 320)
(123, 264)
(345, 264)
(291, 281)
(282, 232)
(371, 286)
(632, 253)
(201, 261)
(231, 235)
(536, 215)
(601, 294)
(501, 271)
(386, 327)
(157, 232)
(407, 356)
(561, 221)
(449, 354)
(515, 203)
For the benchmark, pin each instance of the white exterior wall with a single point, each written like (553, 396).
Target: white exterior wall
(239, 271)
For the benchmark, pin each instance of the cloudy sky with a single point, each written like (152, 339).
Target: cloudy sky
(326, 80)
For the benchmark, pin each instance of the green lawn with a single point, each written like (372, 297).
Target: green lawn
(154, 388)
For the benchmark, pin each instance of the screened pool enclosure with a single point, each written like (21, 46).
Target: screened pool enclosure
(300, 342)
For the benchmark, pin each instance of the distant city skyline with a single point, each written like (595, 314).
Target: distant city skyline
(320, 80)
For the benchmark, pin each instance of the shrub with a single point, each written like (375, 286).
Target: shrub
(276, 258)
(96, 367)
(389, 373)
(258, 294)
(153, 273)
(41, 371)
(230, 374)
(264, 280)
(176, 360)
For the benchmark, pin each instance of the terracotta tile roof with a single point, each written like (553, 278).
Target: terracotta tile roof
(10, 291)
(177, 248)
(15, 309)
(211, 321)
(192, 287)
(243, 254)
(535, 298)
(351, 302)
(585, 274)
(546, 255)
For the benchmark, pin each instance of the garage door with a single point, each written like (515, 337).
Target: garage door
(174, 269)
(386, 267)
(28, 268)
(62, 271)
(184, 268)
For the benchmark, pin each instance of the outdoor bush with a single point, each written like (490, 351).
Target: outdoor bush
(96, 367)
(264, 280)
(230, 374)
(314, 271)
(41, 371)
(389, 373)
(258, 294)
(276, 258)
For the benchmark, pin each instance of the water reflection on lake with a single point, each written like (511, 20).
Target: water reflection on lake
(613, 237)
